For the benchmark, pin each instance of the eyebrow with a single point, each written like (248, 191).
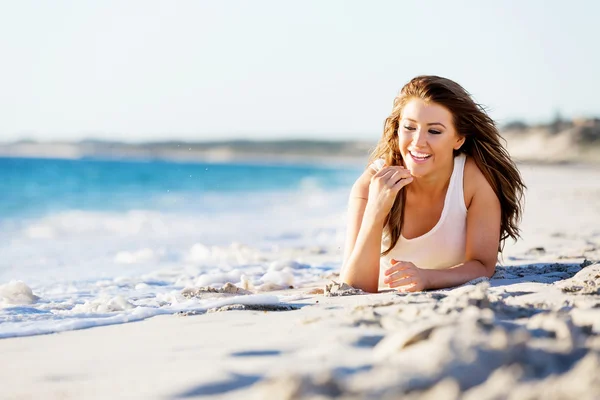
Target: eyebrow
(433, 123)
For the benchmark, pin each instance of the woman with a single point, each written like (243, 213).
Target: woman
(439, 198)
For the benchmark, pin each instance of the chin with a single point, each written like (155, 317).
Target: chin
(417, 173)
(416, 170)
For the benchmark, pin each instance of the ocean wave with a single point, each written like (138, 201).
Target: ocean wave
(91, 268)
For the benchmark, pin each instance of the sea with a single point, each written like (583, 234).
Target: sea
(93, 242)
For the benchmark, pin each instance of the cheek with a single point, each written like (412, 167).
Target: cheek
(441, 143)
(404, 140)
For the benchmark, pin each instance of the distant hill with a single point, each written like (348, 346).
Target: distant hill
(560, 141)
(240, 150)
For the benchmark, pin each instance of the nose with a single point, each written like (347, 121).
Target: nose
(420, 138)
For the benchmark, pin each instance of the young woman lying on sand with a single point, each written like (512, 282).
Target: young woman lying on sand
(439, 198)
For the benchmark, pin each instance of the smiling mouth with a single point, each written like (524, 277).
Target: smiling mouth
(418, 156)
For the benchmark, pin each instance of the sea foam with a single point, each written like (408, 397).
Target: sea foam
(16, 293)
(93, 268)
(88, 242)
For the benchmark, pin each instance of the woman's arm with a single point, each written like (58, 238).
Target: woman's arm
(370, 201)
(483, 237)
(357, 202)
(365, 249)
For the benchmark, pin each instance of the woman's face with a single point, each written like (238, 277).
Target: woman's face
(427, 137)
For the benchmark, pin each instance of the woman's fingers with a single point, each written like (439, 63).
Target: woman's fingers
(386, 169)
(401, 183)
(382, 171)
(396, 276)
(400, 174)
(383, 174)
(405, 276)
(392, 179)
(381, 188)
(405, 281)
(398, 266)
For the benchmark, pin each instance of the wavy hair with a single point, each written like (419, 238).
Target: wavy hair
(482, 143)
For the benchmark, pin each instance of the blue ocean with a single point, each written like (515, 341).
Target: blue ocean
(90, 242)
(38, 187)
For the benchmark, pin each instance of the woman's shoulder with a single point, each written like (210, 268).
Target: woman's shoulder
(474, 181)
(362, 183)
(376, 165)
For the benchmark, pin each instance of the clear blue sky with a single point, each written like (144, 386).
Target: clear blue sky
(204, 70)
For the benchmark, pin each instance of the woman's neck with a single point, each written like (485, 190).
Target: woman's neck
(431, 185)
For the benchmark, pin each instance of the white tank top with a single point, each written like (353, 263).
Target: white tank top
(444, 245)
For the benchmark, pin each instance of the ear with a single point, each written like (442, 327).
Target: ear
(459, 143)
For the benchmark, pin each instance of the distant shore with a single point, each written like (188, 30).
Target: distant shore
(576, 141)
(283, 151)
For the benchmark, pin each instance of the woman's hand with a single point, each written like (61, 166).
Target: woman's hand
(406, 277)
(384, 187)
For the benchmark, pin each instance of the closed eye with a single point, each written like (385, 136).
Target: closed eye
(432, 131)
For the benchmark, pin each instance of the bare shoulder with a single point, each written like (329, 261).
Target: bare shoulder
(361, 186)
(475, 183)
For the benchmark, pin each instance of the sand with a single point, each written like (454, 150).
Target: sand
(531, 332)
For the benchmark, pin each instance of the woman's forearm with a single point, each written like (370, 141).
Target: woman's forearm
(462, 273)
(362, 267)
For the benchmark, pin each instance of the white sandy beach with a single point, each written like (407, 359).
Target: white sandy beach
(532, 332)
